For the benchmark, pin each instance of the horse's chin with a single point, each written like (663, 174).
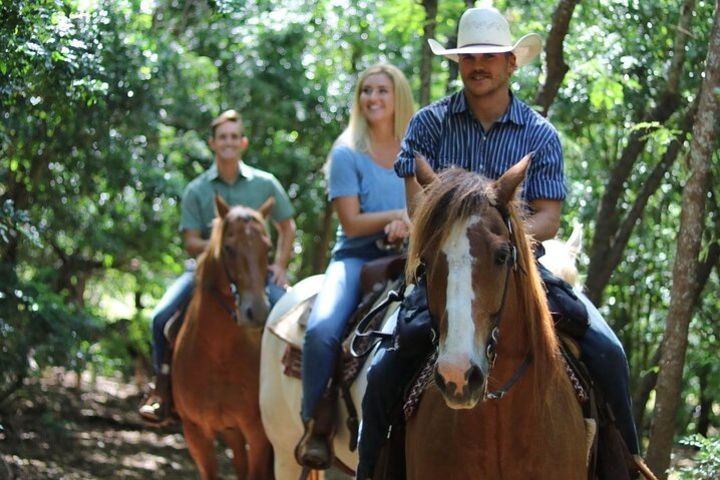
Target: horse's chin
(461, 405)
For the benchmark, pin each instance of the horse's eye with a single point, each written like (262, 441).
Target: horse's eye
(502, 255)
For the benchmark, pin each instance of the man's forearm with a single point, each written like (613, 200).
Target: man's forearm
(194, 246)
(285, 240)
(542, 226)
(413, 194)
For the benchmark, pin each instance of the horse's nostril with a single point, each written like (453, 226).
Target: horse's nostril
(474, 375)
(249, 313)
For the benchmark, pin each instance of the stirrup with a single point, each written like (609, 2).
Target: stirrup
(314, 450)
(154, 410)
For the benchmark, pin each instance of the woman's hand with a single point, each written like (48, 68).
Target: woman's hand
(397, 230)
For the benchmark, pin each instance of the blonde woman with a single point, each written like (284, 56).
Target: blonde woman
(369, 199)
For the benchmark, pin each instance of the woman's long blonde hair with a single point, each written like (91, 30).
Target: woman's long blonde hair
(357, 133)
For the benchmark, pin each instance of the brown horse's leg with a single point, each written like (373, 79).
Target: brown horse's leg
(260, 457)
(202, 449)
(235, 440)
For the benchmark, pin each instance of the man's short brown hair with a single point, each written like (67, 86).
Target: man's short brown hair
(226, 116)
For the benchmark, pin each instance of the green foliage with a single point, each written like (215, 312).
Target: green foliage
(37, 329)
(104, 108)
(707, 460)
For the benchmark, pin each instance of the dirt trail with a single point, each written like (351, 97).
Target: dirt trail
(55, 431)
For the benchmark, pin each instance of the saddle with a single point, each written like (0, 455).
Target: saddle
(378, 278)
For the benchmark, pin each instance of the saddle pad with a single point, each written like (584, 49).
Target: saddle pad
(291, 326)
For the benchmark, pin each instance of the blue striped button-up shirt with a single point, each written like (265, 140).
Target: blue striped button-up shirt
(447, 134)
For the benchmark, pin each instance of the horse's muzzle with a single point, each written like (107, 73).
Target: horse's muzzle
(254, 311)
(461, 393)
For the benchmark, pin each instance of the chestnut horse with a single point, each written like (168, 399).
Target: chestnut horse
(216, 363)
(501, 405)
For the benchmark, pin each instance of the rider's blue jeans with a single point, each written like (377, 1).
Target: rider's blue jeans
(605, 357)
(334, 304)
(390, 373)
(175, 298)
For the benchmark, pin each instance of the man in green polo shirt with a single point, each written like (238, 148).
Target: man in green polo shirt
(238, 184)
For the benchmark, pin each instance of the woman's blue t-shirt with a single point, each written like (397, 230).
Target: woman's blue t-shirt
(378, 189)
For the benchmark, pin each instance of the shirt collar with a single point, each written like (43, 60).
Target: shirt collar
(458, 104)
(513, 113)
(244, 172)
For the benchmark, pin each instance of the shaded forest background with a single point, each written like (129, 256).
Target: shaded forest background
(103, 120)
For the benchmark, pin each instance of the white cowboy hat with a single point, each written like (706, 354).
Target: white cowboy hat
(485, 30)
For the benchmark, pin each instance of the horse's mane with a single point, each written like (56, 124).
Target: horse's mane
(454, 197)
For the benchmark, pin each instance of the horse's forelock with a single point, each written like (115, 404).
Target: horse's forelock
(454, 197)
(211, 257)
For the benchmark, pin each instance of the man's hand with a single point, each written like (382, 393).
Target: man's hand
(278, 275)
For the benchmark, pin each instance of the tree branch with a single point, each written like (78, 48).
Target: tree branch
(608, 216)
(554, 55)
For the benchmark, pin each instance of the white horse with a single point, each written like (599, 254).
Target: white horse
(561, 256)
(280, 395)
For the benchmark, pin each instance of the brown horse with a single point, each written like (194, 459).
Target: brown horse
(216, 363)
(501, 405)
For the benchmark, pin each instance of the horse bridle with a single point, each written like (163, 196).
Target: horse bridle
(494, 335)
(234, 291)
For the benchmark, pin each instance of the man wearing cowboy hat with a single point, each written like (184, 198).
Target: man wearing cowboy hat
(484, 128)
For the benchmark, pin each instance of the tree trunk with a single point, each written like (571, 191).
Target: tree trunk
(554, 55)
(609, 213)
(705, 403)
(319, 261)
(687, 265)
(453, 66)
(643, 390)
(426, 54)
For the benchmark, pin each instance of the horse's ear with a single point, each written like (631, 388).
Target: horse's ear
(574, 243)
(221, 208)
(423, 171)
(506, 185)
(266, 207)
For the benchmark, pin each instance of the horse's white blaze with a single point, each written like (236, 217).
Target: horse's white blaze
(460, 346)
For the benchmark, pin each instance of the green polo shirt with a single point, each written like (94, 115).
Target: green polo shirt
(251, 188)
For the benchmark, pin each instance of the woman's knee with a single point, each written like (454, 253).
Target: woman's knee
(321, 335)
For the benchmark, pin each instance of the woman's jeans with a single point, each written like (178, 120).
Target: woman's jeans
(334, 305)
(177, 297)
